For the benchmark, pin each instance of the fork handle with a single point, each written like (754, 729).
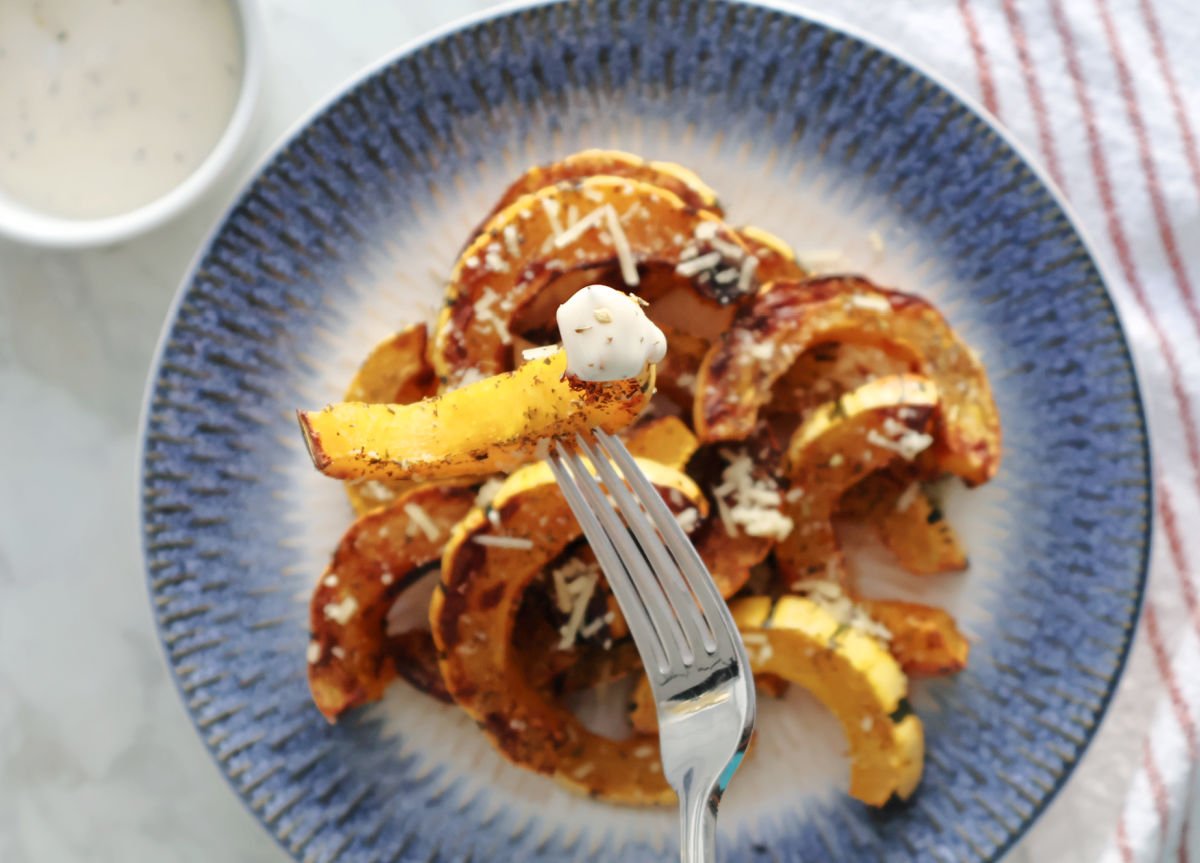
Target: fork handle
(698, 824)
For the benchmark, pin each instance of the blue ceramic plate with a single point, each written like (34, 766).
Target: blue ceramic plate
(839, 147)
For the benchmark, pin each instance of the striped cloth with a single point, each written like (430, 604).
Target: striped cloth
(1105, 95)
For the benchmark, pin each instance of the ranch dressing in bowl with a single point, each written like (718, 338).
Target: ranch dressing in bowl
(108, 105)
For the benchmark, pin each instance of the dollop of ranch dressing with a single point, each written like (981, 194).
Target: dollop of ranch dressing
(106, 105)
(607, 336)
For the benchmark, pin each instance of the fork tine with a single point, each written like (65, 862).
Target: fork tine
(642, 580)
(648, 641)
(664, 568)
(692, 568)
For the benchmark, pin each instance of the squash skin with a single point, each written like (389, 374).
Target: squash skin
(379, 557)
(737, 375)
(658, 225)
(460, 434)
(831, 452)
(852, 674)
(472, 617)
(613, 163)
(397, 371)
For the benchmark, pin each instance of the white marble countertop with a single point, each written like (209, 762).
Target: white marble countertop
(98, 761)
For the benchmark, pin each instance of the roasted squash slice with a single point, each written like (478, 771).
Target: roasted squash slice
(485, 572)
(619, 221)
(351, 656)
(853, 675)
(614, 163)
(908, 522)
(483, 428)
(925, 640)
(397, 371)
(850, 672)
(835, 448)
(737, 375)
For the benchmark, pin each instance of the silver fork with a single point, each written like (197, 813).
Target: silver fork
(693, 653)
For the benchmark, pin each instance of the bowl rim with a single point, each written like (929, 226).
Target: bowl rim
(785, 7)
(26, 224)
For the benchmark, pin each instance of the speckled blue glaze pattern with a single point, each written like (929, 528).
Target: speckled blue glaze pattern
(407, 160)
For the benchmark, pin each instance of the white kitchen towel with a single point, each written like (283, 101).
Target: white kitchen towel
(1105, 96)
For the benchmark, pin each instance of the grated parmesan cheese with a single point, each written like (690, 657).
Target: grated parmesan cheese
(872, 302)
(908, 446)
(746, 275)
(748, 503)
(579, 228)
(552, 208)
(906, 498)
(828, 594)
(341, 612)
(531, 355)
(695, 266)
(518, 543)
(763, 351)
(422, 520)
(487, 492)
(688, 519)
(624, 251)
(574, 584)
(314, 652)
(512, 240)
(330, 580)
(486, 315)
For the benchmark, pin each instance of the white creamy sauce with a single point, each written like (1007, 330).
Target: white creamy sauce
(607, 336)
(106, 105)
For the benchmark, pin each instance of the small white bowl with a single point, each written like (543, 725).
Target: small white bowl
(24, 224)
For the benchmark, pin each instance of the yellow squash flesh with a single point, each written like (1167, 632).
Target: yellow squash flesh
(397, 371)
(487, 427)
(853, 675)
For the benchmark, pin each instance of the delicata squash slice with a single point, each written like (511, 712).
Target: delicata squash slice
(737, 375)
(614, 163)
(397, 371)
(596, 222)
(486, 569)
(351, 656)
(849, 671)
(835, 448)
(487, 427)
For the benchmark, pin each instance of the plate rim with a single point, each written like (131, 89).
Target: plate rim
(798, 11)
